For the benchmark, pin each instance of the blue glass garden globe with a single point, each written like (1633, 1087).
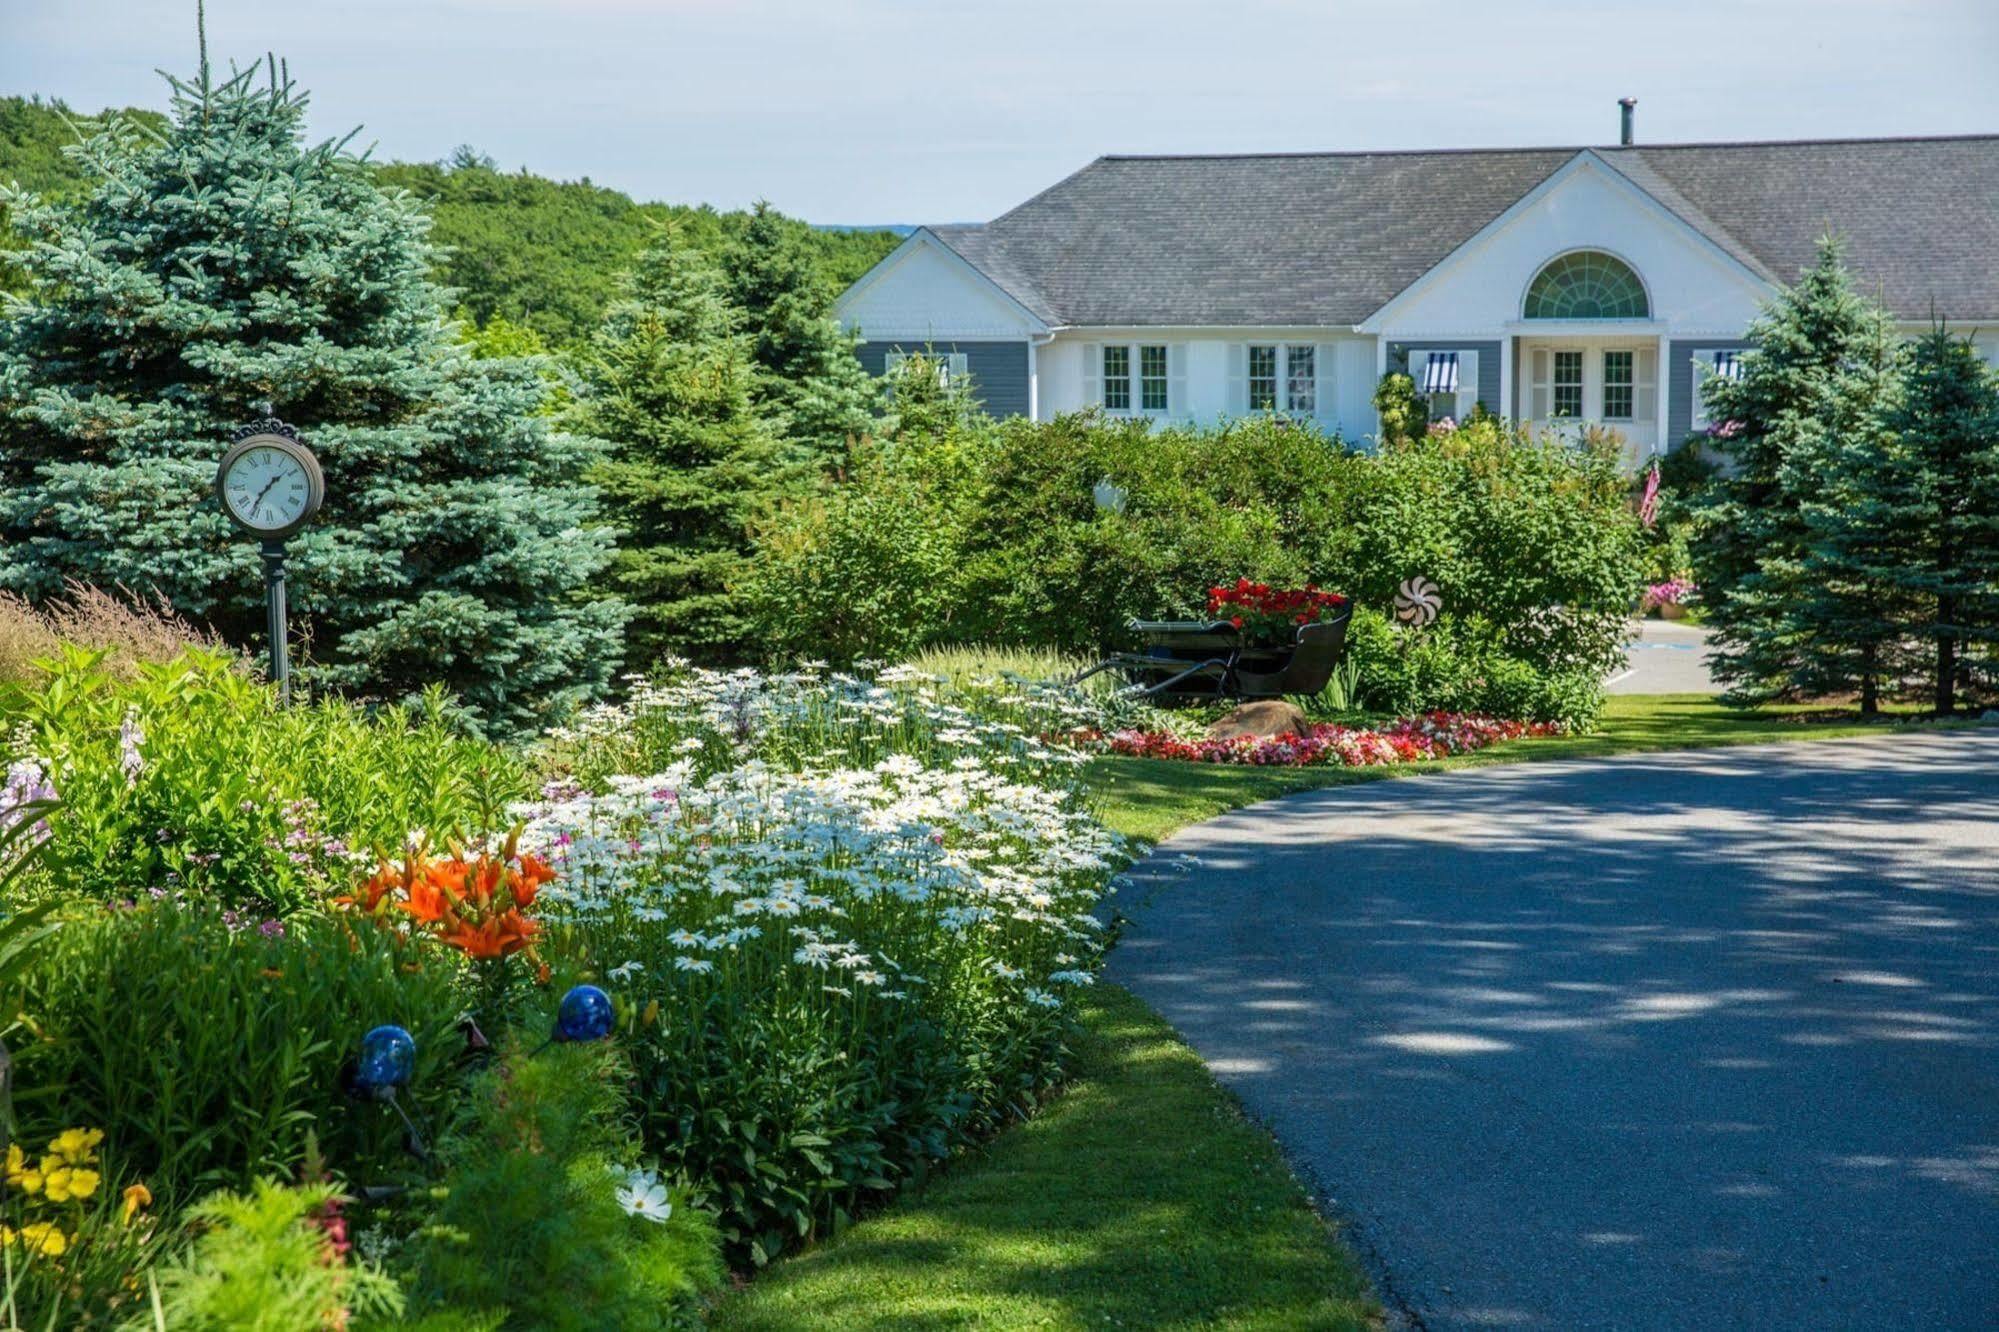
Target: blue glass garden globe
(388, 1060)
(585, 1015)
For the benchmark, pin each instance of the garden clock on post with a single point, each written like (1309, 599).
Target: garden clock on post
(270, 485)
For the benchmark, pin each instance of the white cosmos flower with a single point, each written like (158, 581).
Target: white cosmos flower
(642, 1193)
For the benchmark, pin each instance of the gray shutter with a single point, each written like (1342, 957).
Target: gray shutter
(1093, 375)
(1467, 384)
(1323, 373)
(1238, 399)
(1176, 379)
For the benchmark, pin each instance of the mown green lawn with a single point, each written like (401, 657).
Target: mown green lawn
(1142, 1198)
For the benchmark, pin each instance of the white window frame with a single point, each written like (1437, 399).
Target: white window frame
(1134, 378)
(952, 367)
(1556, 383)
(1275, 379)
(1301, 401)
(1629, 386)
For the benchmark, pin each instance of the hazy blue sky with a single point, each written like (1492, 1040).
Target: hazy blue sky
(933, 110)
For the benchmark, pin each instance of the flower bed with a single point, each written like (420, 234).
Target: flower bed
(1407, 740)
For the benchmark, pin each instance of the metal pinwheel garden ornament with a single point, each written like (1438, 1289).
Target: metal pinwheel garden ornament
(1417, 602)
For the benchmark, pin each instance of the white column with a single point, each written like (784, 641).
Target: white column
(1033, 381)
(1663, 377)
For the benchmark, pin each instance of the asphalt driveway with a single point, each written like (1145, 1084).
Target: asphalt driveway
(1685, 1041)
(1664, 657)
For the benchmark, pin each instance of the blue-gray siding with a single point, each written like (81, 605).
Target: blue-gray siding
(1680, 374)
(1488, 364)
(998, 369)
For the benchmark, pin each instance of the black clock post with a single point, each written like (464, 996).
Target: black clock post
(270, 485)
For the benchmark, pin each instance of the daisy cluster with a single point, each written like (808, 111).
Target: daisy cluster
(1406, 740)
(851, 882)
(716, 720)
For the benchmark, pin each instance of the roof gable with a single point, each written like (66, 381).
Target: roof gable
(1327, 239)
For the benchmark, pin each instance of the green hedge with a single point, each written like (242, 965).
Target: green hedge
(991, 533)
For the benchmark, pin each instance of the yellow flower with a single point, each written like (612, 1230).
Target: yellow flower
(83, 1182)
(20, 1174)
(77, 1145)
(44, 1237)
(58, 1180)
(136, 1196)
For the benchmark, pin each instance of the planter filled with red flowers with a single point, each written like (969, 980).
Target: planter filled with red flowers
(1256, 642)
(1270, 616)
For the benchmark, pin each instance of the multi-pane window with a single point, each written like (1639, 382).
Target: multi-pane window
(1136, 377)
(1301, 381)
(1152, 379)
(1568, 383)
(1117, 379)
(1263, 379)
(1586, 285)
(1618, 381)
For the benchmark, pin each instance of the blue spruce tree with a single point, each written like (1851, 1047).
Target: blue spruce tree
(225, 263)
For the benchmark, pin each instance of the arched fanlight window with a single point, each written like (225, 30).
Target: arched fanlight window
(1587, 284)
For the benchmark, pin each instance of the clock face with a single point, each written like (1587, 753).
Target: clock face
(267, 489)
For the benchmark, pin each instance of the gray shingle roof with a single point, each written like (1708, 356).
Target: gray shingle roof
(1328, 238)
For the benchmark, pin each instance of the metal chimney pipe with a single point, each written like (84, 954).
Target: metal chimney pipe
(1627, 105)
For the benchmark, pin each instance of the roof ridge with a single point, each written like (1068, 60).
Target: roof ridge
(1525, 148)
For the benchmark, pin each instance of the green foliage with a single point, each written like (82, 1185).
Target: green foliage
(1947, 428)
(690, 465)
(1404, 414)
(208, 1048)
(222, 263)
(864, 571)
(994, 533)
(530, 1222)
(807, 384)
(1862, 507)
(547, 254)
(192, 777)
(1750, 558)
(259, 1263)
(33, 135)
(1534, 549)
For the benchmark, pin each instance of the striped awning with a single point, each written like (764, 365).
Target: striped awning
(1728, 364)
(1441, 374)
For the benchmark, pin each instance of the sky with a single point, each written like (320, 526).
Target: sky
(906, 111)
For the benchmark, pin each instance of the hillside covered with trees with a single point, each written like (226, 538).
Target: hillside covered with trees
(539, 252)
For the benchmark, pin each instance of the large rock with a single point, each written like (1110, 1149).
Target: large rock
(1263, 719)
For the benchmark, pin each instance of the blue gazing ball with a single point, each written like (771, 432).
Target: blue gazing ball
(388, 1060)
(585, 1015)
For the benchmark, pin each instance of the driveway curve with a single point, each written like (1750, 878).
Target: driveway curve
(1678, 1041)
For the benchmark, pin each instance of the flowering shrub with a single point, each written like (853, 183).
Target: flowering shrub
(1267, 613)
(1672, 592)
(840, 915)
(1407, 740)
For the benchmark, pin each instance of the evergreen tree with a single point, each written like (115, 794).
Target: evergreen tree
(1948, 428)
(221, 264)
(691, 465)
(1751, 555)
(808, 384)
(1863, 510)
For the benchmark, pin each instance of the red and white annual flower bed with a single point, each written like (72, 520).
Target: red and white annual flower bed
(1405, 740)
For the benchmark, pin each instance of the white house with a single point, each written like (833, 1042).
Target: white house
(1558, 284)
